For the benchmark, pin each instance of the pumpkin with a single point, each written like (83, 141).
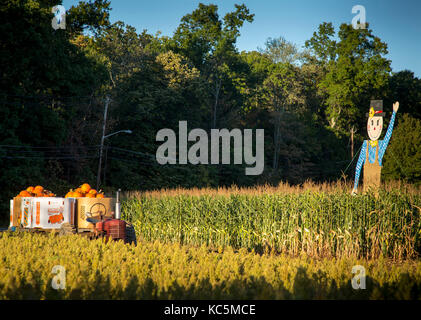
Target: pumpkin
(69, 194)
(79, 190)
(38, 189)
(25, 193)
(77, 194)
(85, 187)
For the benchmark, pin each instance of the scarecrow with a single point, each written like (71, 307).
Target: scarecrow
(373, 150)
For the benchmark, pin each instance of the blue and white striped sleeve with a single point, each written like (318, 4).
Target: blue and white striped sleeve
(383, 146)
(360, 163)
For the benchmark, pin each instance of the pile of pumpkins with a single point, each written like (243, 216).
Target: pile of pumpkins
(84, 190)
(37, 191)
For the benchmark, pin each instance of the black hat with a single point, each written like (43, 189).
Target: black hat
(376, 109)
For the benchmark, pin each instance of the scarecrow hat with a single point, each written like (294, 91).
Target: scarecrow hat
(376, 109)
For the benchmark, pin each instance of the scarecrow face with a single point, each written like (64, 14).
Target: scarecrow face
(374, 127)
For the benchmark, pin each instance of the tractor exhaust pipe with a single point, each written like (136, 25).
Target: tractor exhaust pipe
(117, 205)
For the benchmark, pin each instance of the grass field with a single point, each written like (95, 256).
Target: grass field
(95, 270)
(259, 243)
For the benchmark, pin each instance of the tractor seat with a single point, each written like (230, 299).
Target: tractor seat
(93, 220)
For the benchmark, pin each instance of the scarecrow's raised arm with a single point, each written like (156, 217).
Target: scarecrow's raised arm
(389, 131)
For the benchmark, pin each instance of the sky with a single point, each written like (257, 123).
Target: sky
(398, 23)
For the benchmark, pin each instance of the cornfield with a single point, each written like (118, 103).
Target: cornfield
(317, 220)
(98, 270)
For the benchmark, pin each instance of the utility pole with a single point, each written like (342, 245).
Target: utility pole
(98, 177)
(104, 181)
(353, 131)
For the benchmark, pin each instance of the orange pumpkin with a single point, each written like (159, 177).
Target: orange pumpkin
(25, 193)
(90, 195)
(38, 189)
(85, 187)
(93, 191)
(79, 190)
(77, 194)
(100, 195)
(30, 189)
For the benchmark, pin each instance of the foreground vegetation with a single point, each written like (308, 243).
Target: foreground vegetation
(318, 220)
(96, 270)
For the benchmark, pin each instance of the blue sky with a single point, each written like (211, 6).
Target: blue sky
(398, 23)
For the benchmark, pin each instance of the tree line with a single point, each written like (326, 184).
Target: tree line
(310, 101)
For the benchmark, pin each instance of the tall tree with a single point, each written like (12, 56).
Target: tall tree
(283, 86)
(92, 15)
(120, 48)
(281, 50)
(209, 43)
(356, 71)
(405, 88)
(284, 93)
(403, 157)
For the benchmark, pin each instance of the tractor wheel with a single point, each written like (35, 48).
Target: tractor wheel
(130, 234)
(66, 229)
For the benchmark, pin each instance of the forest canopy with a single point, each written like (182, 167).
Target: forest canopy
(310, 101)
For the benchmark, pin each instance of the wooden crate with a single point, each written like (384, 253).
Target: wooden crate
(95, 208)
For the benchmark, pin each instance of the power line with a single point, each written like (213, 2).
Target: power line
(132, 161)
(356, 153)
(47, 153)
(38, 151)
(52, 147)
(45, 96)
(131, 151)
(49, 158)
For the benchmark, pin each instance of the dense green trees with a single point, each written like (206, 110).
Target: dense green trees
(355, 72)
(45, 88)
(403, 156)
(406, 89)
(209, 42)
(310, 102)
